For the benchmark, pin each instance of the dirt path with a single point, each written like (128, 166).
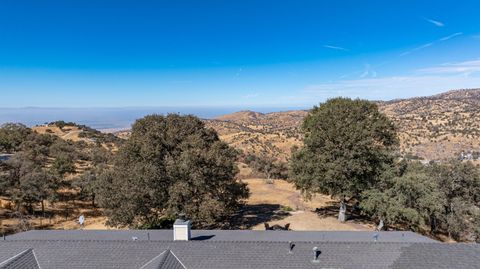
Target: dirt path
(72, 135)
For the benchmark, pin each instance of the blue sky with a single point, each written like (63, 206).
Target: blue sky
(233, 53)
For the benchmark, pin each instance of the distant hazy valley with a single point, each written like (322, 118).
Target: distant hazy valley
(430, 128)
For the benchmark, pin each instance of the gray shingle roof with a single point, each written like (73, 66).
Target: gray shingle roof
(166, 260)
(24, 260)
(449, 255)
(224, 235)
(84, 253)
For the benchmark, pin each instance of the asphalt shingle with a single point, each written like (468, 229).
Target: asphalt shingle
(166, 260)
(213, 254)
(224, 235)
(23, 260)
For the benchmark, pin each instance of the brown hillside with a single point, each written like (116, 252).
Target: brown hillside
(439, 126)
(67, 133)
(433, 128)
(245, 116)
(271, 134)
(77, 133)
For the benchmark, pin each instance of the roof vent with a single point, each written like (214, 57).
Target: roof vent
(375, 237)
(181, 230)
(316, 254)
(291, 245)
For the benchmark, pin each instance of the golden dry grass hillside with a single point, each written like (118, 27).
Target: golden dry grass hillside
(432, 128)
(71, 133)
(270, 134)
(79, 133)
(437, 127)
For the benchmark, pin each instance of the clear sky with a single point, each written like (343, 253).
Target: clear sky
(83, 53)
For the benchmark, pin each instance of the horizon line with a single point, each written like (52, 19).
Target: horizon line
(242, 107)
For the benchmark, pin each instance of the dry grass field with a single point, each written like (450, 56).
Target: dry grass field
(67, 133)
(78, 134)
(277, 203)
(59, 217)
(293, 209)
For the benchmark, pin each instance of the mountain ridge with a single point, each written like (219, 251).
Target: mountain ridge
(436, 127)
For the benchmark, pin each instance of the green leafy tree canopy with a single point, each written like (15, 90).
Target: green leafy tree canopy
(171, 165)
(348, 143)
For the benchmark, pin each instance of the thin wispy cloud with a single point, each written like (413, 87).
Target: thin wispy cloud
(251, 95)
(368, 72)
(431, 43)
(335, 47)
(390, 87)
(417, 49)
(239, 72)
(435, 22)
(450, 36)
(432, 80)
(461, 68)
(180, 81)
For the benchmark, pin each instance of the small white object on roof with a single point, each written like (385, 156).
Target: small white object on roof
(81, 220)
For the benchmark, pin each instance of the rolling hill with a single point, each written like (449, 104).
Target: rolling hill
(270, 134)
(430, 128)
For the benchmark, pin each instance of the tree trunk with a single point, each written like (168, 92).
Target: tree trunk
(30, 208)
(43, 208)
(342, 215)
(433, 224)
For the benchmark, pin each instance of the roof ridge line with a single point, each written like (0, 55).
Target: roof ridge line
(225, 241)
(178, 259)
(35, 256)
(15, 256)
(164, 258)
(151, 260)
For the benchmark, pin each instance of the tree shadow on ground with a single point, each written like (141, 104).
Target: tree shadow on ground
(353, 216)
(329, 210)
(252, 215)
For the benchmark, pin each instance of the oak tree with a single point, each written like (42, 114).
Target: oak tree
(347, 146)
(171, 165)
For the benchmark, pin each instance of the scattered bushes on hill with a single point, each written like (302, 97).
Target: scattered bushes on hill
(88, 132)
(40, 166)
(30, 177)
(12, 136)
(267, 166)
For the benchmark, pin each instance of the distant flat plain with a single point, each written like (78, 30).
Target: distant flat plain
(115, 118)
